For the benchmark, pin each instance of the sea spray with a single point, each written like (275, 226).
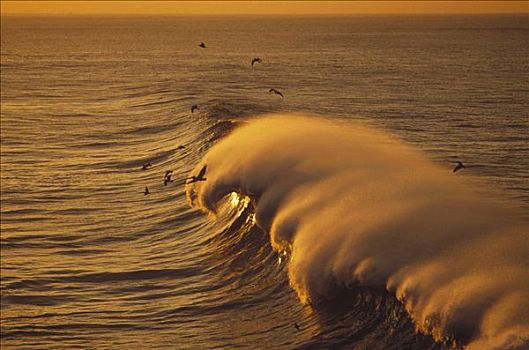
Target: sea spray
(356, 206)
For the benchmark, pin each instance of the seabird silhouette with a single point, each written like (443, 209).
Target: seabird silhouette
(256, 60)
(199, 177)
(297, 326)
(202, 45)
(458, 167)
(146, 192)
(193, 107)
(146, 166)
(167, 177)
(181, 147)
(277, 92)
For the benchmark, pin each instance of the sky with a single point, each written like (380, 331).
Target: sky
(259, 7)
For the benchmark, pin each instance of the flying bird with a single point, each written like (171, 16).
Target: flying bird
(146, 166)
(297, 326)
(167, 177)
(256, 60)
(202, 45)
(193, 107)
(146, 191)
(181, 147)
(458, 167)
(277, 92)
(199, 177)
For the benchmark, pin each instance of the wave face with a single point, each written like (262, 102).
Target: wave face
(354, 207)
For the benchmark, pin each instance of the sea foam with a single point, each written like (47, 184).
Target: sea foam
(354, 205)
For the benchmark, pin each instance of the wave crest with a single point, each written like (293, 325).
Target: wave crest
(356, 206)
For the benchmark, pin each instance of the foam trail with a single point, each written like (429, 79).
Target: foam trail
(354, 205)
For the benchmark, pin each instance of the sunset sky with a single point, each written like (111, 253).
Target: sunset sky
(260, 7)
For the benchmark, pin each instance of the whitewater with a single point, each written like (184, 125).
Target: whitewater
(352, 206)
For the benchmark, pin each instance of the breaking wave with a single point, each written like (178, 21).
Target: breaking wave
(350, 206)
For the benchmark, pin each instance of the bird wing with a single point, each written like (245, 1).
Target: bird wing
(276, 92)
(202, 172)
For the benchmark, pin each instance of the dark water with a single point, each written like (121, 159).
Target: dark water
(89, 261)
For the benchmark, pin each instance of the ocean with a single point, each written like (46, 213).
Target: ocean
(329, 219)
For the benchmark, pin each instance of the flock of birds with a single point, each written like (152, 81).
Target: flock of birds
(200, 177)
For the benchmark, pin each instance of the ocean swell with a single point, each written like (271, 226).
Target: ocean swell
(354, 206)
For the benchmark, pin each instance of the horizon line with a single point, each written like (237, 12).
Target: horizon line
(60, 14)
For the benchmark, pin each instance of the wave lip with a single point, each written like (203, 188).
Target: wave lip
(356, 206)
